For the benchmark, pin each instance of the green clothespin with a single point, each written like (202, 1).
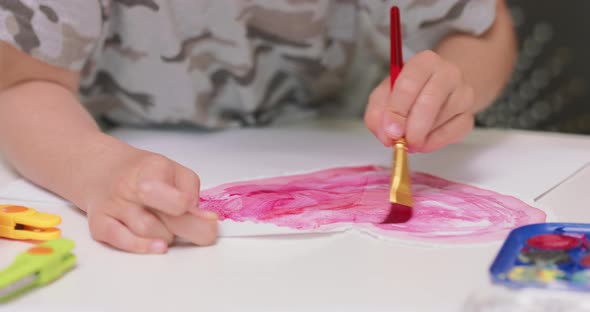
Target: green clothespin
(37, 266)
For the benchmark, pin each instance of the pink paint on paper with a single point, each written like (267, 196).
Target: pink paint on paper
(444, 211)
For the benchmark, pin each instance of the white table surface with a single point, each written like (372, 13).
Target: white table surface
(340, 272)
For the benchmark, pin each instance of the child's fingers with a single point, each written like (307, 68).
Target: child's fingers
(165, 198)
(155, 186)
(378, 101)
(407, 87)
(198, 230)
(110, 231)
(188, 182)
(143, 223)
(461, 100)
(449, 133)
(429, 103)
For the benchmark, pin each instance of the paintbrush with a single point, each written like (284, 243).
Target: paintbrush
(400, 192)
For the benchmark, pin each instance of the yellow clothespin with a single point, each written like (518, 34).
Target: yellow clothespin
(24, 223)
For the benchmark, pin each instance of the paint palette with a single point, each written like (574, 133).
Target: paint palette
(547, 255)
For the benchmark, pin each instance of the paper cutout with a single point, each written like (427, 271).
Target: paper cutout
(357, 197)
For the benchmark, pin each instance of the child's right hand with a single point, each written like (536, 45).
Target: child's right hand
(143, 201)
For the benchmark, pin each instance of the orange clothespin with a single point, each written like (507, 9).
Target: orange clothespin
(24, 223)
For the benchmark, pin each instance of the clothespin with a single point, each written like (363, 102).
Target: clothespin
(37, 266)
(24, 223)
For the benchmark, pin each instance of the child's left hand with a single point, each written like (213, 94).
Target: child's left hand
(431, 105)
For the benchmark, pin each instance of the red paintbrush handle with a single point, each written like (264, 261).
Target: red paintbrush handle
(396, 57)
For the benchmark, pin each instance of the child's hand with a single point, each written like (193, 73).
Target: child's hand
(431, 105)
(144, 201)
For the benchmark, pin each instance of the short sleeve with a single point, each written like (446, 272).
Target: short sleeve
(426, 22)
(59, 32)
(472, 17)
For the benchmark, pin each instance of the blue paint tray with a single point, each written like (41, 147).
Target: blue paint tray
(545, 255)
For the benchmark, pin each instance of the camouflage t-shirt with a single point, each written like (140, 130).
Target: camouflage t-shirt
(220, 63)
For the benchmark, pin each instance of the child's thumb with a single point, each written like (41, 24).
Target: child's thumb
(394, 124)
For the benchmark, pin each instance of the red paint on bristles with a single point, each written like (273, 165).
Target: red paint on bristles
(398, 213)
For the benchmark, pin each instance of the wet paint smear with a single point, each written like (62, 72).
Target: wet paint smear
(443, 212)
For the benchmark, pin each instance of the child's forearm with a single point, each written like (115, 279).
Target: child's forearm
(50, 139)
(486, 61)
(135, 200)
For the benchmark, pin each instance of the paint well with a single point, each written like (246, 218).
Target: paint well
(553, 242)
(544, 257)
